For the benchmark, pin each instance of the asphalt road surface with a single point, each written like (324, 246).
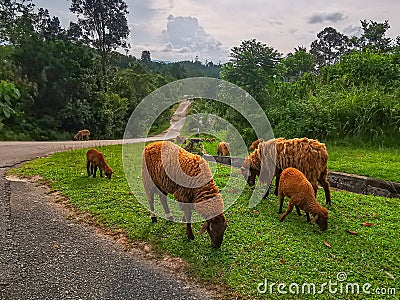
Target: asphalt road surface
(44, 255)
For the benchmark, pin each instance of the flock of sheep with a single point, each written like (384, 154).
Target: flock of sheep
(299, 166)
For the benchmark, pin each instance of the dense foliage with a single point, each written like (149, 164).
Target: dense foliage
(344, 89)
(56, 81)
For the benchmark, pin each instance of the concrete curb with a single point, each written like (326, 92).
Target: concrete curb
(343, 181)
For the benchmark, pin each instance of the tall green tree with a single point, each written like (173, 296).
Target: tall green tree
(294, 65)
(103, 25)
(374, 36)
(252, 67)
(329, 47)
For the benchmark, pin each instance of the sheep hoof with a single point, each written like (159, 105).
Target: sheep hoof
(171, 218)
(154, 219)
(191, 237)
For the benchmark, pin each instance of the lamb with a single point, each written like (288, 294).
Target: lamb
(295, 185)
(307, 155)
(82, 134)
(169, 169)
(223, 148)
(94, 160)
(254, 145)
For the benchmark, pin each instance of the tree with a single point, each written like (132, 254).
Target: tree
(103, 25)
(252, 67)
(329, 47)
(294, 65)
(373, 36)
(146, 56)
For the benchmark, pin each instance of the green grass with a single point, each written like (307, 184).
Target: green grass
(382, 163)
(256, 245)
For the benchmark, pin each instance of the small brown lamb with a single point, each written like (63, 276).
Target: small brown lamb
(94, 160)
(294, 184)
(82, 134)
(223, 148)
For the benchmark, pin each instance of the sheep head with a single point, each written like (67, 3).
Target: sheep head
(215, 227)
(108, 172)
(248, 172)
(321, 219)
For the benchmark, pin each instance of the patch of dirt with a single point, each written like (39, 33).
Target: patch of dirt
(173, 265)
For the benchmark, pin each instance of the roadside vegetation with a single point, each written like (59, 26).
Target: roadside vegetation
(256, 245)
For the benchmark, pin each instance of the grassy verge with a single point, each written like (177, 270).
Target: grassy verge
(382, 163)
(257, 247)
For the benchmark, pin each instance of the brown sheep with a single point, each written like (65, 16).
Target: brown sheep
(307, 155)
(254, 145)
(180, 140)
(94, 160)
(223, 148)
(82, 134)
(169, 169)
(295, 185)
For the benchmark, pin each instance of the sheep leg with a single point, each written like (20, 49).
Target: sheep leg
(308, 217)
(281, 198)
(164, 203)
(288, 211)
(88, 167)
(325, 184)
(151, 205)
(101, 172)
(94, 171)
(187, 219)
(278, 176)
(91, 168)
(266, 194)
(298, 210)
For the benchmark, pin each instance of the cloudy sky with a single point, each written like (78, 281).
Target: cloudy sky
(177, 30)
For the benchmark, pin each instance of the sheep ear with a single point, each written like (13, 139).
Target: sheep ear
(203, 228)
(314, 219)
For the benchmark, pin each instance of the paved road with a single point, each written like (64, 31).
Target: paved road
(44, 255)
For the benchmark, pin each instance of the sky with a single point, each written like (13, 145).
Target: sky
(176, 30)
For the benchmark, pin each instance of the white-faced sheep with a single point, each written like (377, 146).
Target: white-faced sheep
(295, 185)
(223, 148)
(307, 155)
(169, 169)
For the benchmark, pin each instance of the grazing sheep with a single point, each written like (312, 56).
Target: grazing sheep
(94, 160)
(295, 185)
(254, 145)
(180, 140)
(223, 148)
(169, 169)
(307, 155)
(82, 134)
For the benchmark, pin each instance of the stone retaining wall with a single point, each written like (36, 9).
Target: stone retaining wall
(348, 182)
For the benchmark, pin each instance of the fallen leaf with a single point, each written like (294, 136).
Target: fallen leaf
(352, 232)
(374, 214)
(368, 224)
(232, 191)
(333, 256)
(256, 211)
(327, 244)
(390, 275)
(283, 261)
(130, 193)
